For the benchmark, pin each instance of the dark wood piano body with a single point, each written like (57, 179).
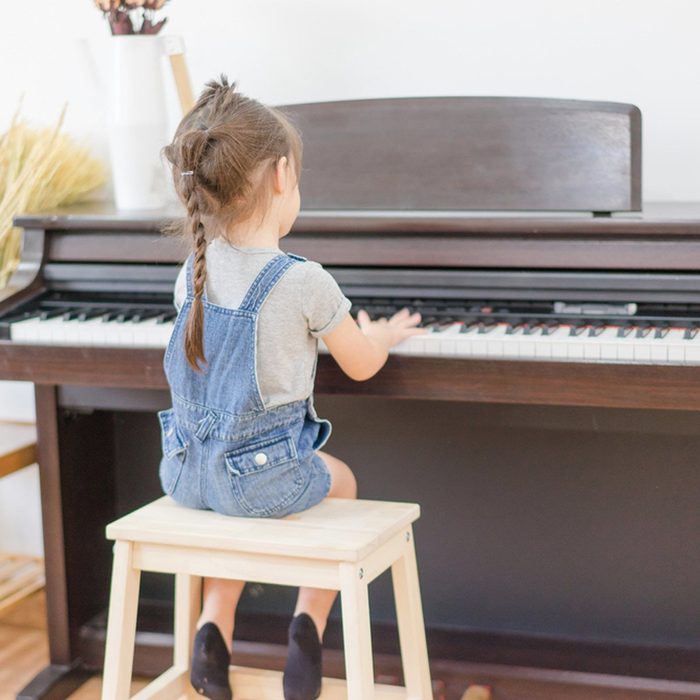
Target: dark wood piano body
(81, 390)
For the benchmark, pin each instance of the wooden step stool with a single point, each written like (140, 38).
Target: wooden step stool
(341, 544)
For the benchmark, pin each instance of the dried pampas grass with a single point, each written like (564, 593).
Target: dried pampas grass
(39, 169)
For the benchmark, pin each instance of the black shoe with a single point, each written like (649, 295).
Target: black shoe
(302, 673)
(210, 661)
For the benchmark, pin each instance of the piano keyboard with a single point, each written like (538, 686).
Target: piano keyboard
(151, 328)
(452, 331)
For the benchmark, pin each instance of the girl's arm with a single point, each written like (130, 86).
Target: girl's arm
(361, 350)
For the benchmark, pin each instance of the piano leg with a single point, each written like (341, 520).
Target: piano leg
(76, 467)
(54, 683)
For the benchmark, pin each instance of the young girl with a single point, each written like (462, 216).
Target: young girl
(242, 436)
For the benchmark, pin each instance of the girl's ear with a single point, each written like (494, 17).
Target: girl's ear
(281, 174)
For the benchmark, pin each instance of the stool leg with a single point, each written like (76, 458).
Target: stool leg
(357, 637)
(188, 603)
(409, 614)
(121, 624)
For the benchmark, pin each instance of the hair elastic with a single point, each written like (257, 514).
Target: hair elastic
(186, 172)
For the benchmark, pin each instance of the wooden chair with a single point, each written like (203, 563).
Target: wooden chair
(20, 575)
(340, 544)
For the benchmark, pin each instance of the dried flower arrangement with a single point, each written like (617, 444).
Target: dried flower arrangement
(132, 16)
(39, 169)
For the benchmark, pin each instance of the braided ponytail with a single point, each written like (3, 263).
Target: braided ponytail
(193, 146)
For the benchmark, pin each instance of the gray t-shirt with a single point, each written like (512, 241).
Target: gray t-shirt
(306, 303)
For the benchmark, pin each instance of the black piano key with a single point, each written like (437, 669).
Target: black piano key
(661, 331)
(145, 315)
(89, 314)
(47, 314)
(579, 329)
(596, 329)
(691, 333)
(625, 331)
(469, 326)
(644, 330)
(72, 314)
(487, 326)
(533, 327)
(22, 316)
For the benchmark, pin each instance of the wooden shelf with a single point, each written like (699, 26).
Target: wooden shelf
(17, 446)
(20, 575)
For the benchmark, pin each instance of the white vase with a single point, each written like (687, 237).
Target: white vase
(138, 127)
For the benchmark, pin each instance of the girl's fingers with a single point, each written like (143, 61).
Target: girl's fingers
(407, 321)
(400, 314)
(363, 320)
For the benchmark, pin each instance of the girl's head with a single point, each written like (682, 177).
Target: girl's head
(233, 160)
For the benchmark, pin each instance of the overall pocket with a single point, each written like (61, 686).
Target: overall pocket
(174, 451)
(265, 475)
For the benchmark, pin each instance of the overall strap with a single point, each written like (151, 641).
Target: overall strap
(188, 273)
(265, 282)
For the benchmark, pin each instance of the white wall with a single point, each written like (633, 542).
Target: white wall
(640, 51)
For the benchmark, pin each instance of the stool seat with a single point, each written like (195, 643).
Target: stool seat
(337, 529)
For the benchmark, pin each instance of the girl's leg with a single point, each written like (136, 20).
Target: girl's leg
(302, 673)
(220, 601)
(317, 602)
(211, 650)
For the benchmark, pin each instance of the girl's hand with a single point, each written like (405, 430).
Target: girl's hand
(362, 348)
(390, 332)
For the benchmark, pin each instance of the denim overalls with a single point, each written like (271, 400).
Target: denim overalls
(222, 449)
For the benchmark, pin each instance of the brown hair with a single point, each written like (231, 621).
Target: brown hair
(227, 146)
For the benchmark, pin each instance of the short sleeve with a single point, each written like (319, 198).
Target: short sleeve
(180, 291)
(323, 303)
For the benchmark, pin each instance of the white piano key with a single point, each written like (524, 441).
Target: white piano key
(608, 341)
(24, 331)
(449, 337)
(692, 350)
(48, 331)
(558, 340)
(575, 346)
(642, 350)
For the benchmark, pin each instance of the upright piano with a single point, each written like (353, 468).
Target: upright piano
(553, 300)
